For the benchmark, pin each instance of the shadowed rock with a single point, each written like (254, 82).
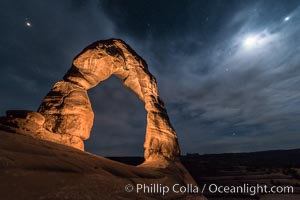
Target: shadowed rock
(32, 169)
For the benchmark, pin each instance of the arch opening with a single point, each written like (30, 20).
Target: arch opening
(119, 122)
(66, 116)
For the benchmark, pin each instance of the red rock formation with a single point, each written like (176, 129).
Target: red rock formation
(66, 116)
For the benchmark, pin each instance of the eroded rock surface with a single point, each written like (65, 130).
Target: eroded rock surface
(66, 116)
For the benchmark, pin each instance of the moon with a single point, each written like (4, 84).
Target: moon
(259, 40)
(250, 41)
(287, 18)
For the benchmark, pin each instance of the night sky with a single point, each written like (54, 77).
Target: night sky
(228, 71)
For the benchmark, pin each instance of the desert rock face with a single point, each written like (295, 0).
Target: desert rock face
(67, 110)
(65, 116)
(39, 169)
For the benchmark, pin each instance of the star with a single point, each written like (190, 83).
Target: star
(28, 24)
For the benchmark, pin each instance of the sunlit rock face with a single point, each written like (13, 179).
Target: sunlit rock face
(66, 116)
(67, 110)
(32, 123)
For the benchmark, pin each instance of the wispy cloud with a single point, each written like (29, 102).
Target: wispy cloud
(221, 95)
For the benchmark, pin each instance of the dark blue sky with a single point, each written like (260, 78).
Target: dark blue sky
(228, 71)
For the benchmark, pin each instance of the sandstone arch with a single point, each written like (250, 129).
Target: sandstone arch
(68, 112)
(66, 117)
